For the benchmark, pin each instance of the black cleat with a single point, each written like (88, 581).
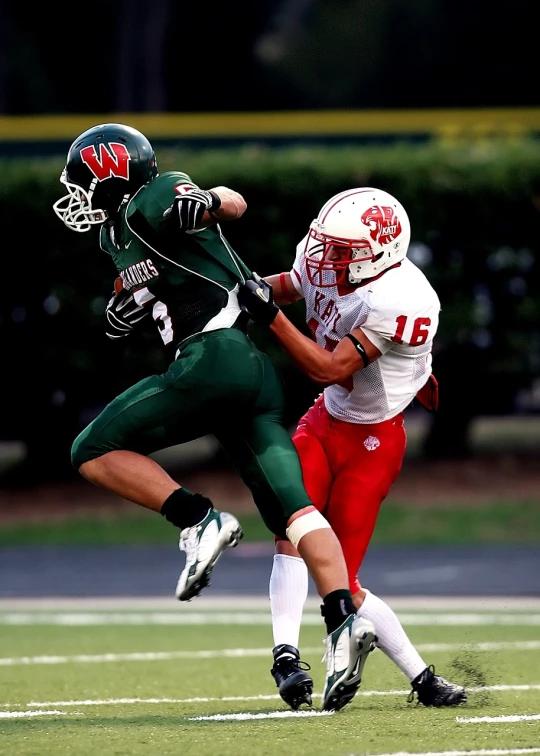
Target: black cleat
(433, 690)
(294, 684)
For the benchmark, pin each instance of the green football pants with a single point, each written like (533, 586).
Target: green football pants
(221, 384)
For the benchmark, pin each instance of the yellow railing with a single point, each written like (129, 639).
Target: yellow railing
(473, 123)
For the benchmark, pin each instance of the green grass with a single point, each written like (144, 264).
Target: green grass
(97, 722)
(499, 522)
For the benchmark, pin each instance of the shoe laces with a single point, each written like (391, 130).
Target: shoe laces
(283, 661)
(429, 668)
(327, 647)
(189, 543)
(330, 651)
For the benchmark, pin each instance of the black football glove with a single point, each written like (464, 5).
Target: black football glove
(257, 299)
(191, 207)
(123, 313)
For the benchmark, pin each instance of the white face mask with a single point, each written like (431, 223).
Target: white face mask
(75, 208)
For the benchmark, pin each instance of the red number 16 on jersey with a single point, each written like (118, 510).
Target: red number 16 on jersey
(419, 333)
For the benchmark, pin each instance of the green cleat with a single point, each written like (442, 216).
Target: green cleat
(204, 544)
(347, 649)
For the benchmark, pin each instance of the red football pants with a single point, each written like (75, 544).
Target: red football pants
(348, 470)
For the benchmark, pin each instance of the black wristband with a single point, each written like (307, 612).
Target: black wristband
(359, 348)
(216, 201)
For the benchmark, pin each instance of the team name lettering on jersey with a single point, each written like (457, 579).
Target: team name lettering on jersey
(329, 315)
(139, 273)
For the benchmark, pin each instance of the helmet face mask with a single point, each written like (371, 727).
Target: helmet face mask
(105, 165)
(76, 209)
(332, 255)
(357, 235)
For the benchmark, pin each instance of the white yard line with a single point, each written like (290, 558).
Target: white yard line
(482, 752)
(33, 713)
(213, 603)
(87, 619)
(232, 653)
(246, 699)
(269, 715)
(533, 645)
(238, 653)
(123, 701)
(502, 718)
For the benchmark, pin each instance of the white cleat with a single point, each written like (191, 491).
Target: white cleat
(204, 544)
(347, 649)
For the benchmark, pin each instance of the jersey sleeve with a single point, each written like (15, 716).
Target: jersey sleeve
(182, 184)
(157, 196)
(298, 265)
(174, 184)
(400, 321)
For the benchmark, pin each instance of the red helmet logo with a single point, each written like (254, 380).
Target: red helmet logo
(113, 160)
(383, 223)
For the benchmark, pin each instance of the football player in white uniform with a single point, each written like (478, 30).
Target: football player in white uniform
(373, 316)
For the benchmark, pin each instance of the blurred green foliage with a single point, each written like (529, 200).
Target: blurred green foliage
(496, 522)
(475, 216)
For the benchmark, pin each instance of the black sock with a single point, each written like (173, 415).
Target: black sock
(185, 509)
(336, 607)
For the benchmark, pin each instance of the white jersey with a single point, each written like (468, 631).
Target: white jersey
(399, 313)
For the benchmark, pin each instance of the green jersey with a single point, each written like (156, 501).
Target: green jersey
(188, 279)
(218, 381)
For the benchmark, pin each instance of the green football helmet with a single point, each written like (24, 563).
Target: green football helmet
(105, 165)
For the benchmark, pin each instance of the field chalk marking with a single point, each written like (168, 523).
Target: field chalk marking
(243, 699)
(238, 653)
(270, 715)
(502, 718)
(33, 713)
(482, 752)
(412, 619)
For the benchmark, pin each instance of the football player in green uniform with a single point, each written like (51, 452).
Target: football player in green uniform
(164, 236)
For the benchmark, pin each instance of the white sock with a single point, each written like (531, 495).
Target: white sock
(288, 592)
(393, 639)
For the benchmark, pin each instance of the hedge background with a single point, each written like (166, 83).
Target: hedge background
(475, 216)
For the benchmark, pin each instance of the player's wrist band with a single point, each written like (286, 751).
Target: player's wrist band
(216, 201)
(359, 348)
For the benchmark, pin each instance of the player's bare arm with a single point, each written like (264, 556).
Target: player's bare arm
(322, 366)
(233, 206)
(353, 353)
(283, 288)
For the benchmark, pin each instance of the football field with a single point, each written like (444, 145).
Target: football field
(153, 677)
